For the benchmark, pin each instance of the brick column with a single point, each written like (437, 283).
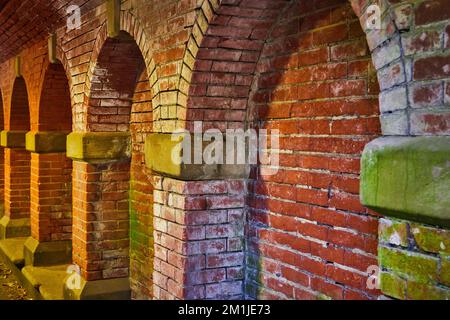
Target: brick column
(50, 208)
(16, 219)
(199, 225)
(199, 239)
(101, 173)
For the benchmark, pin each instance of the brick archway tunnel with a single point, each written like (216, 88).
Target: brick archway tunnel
(91, 112)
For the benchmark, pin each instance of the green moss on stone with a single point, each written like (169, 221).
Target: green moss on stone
(444, 276)
(393, 232)
(431, 239)
(421, 291)
(408, 178)
(419, 267)
(392, 285)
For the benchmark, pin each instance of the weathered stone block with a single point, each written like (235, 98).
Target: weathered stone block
(110, 289)
(46, 142)
(431, 239)
(113, 17)
(164, 153)
(419, 267)
(392, 285)
(13, 139)
(421, 291)
(417, 168)
(98, 146)
(444, 277)
(393, 232)
(47, 253)
(13, 228)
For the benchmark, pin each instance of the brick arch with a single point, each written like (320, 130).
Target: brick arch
(19, 115)
(114, 77)
(119, 99)
(230, 27)
(311, 206)
(225, 61)
(51, 197)
(55, 111)
(314, 82)
(62, 59)
(132, 30)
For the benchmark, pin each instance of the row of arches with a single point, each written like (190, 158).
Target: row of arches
(48, 192)
(306, 71)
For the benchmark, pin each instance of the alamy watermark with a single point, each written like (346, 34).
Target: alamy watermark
(373, 17)
(232, 147)
(74, 17)
(73, 281)
(373, 281)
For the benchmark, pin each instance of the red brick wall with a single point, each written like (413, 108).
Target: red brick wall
(51, 197)
(308, 233)
(100, 226)
(141, 193)
(55, 112)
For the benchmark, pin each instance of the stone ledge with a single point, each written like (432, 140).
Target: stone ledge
(418, 169)
(110, 289)
(98, 146)
(159, 149)
(13, 250)
(47, 253)
(13, 228)
(13, 139)
(48, 281)
(46, 142)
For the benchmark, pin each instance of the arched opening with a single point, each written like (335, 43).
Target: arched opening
(55, 112)
(51, 170)
(20, 112)
(309, 73)
(119, 224)
(17, 159)
(316, 84)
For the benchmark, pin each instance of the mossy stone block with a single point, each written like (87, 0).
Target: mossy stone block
(392, 285)
(164, 154)
(408, 178)
(46, 142)
(421, 268)
(444, 277)
(421, 291)
(431, 239)
(393, 232)
(13, 139)
(98, 146)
